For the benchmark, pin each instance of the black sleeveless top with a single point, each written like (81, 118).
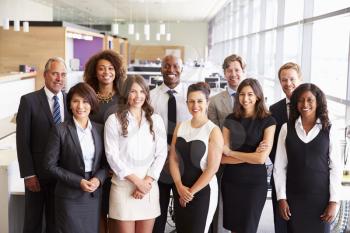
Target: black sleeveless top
(308, 164)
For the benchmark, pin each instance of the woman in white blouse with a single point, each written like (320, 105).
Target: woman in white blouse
(308, 166)
(136, 149)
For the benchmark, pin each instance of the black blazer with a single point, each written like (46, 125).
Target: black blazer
(279, 112)
(64, 158)
(34, 122)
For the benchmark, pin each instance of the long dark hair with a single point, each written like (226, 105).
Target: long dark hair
(321, 101)
(122, 112)
(115, 59)
(261, 110)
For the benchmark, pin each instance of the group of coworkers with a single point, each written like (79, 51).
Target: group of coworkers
(106, 156)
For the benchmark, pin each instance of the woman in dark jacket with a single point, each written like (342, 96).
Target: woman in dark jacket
(75, 157)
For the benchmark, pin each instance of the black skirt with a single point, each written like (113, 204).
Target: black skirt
(306, 212)
(80, 215)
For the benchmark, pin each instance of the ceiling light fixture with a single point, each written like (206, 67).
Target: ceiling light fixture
(168, 36)
(115, 26)
(137, 36)
(115, 29)
(147, 27)
(162, 28)
(6, 24)
(16, 25)
(131, 26)
(26, 26)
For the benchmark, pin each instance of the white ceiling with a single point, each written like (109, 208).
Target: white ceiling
(106, 11)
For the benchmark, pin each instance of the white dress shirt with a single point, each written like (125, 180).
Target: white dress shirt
(87, 144)
(50, 96)
(159, 101)
(281, 161)
(138, 153)
(231, 92)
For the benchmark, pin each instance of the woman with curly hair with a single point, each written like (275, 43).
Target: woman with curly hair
(308, 166)
(136, 149)
(105, 72)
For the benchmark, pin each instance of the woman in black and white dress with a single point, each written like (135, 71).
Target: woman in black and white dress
(308, 167)
(195, 156)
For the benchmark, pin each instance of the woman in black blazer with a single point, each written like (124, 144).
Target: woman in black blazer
(75, 157)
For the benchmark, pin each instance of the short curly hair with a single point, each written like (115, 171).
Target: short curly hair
(115, 59)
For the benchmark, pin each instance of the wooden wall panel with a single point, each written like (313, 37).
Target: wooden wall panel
(152, 52)
(33, 48)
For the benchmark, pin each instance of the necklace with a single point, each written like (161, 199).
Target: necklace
(104, 99)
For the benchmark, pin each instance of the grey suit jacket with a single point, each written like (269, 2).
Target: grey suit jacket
(34, 122)
(64, 158)
(220, 106)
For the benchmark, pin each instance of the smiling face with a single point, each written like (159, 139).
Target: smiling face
(307, 105)
(248, 99)
(80, 107)
(197, 103)
(171, 71)
(105, 72)
(136, 97)
(289, 80)
(234, 74)
(55, 77)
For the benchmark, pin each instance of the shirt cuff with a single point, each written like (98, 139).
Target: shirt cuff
(27, 177)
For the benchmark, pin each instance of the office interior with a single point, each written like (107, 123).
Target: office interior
(267, 33)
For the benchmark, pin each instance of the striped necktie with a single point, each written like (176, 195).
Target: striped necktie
(56, 110)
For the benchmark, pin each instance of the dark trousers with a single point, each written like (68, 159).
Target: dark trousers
(280, 223)
(164, 197)
(35, 205)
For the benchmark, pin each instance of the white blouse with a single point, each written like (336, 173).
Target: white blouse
(138, 153)
(281, 161)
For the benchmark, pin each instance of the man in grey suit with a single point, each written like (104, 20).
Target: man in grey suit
(220, 106)
(37, 113)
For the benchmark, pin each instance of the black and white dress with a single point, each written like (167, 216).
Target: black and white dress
(192, 151)
(244, 186)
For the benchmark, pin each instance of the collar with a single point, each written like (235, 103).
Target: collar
(50, 94)
(165, 88)
(89, 126)
(287, 101)
(132, 118)
(299, 124)
(230, 91)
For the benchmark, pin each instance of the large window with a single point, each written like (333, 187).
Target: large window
(271, 13)
(293, 10)
(326, 6)
(330, 51)
(268, 33)
(270, 51)
(292, 43)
